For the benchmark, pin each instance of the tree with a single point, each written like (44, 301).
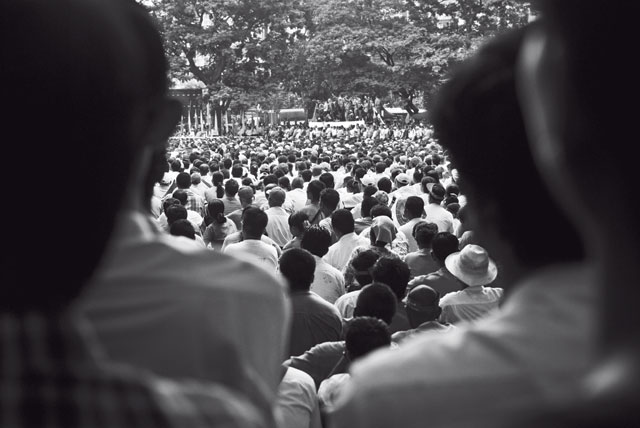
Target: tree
(231, 46)
(378, 46)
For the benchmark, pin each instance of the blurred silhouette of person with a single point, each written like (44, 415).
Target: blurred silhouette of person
(581, 119)
(539, 344)
(101, 64)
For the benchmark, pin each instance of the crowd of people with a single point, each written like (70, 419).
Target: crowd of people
(448, 275)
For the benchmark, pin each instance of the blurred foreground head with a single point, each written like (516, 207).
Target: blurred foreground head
(85, 90)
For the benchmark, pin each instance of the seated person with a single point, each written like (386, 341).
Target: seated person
(473, 267)
(323, 360)
(421, 262)
(314, 319)
(423, 310)
(363, 335)
(443, 281)
(252, 248)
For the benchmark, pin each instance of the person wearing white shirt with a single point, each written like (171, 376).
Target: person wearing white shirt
(297, 403)
(297, 195)
(278, 224)
(413, 212)
(328, 281)
(436, 213)
(251, 248)
(343, 226)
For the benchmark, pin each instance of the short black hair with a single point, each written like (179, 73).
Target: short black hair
(362, 265)
(376, 300)
(327, 179)
(393, 272)
(365, 334)
(175, 212)
(231, 187)
(368, 202)
(183, 180)
(424, 232)
(254, 220)
(297, 265)
(314, 188)
(381, 210)
(444, 244)
(182, 227)
(181, 195)
(330, 198)
(316, 240)
(415, 205)
(342, 221)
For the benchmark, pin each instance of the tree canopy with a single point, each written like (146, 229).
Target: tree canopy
(252, 51)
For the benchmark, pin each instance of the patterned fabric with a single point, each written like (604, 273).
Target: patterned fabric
(52, 376)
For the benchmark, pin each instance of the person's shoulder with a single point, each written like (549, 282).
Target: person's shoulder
(191, 404)
(178, 403)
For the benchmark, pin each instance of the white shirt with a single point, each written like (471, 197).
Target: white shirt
(256, 252)
(440, 216)
(339, 253)
(328, 281)
(347, 303)
(298, 197)
(535, 351)
(278, 226)
(470, 304)
(297, 401)
(172, 308)
(407, 229)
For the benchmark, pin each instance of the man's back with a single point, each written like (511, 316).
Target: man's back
(314, 321)
(440, 216)
(475, 376)
(174, 310)
(86, 390)
(470, 304)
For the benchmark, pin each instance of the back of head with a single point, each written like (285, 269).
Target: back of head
(215, 209)
(414, 206)
(367, 204)
(365, 334)
(376, 300)
(182, 227)
(385, 184)
(443, 244)
(363, 265)
(276, 197)
(380, 210)
(168, 202)
(245, 194)
(183, 180)
(316, 240)
(297, 183)
(314, 188)
(98, 63)
(330, 198)
(254, 222)
(477, 116)
(231, 187)
(327, 179)
(175, 212)
(236, 171)
(298, 266)
(393, 272)
(342, 221)
(424, 232)
(181, 195)
(422, 305)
